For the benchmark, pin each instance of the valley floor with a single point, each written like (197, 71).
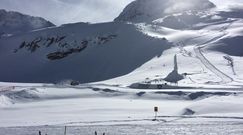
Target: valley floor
(118, 110)
(177, 127)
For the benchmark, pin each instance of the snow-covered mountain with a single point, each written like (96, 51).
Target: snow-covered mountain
(82, 52)
(149, 10)
(96, 52)
(14, 22)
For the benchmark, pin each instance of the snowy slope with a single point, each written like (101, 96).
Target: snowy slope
(14, 22)
(82, 52)
(208, 47)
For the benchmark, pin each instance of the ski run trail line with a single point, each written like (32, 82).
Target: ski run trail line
(225, 78)
(197, 49)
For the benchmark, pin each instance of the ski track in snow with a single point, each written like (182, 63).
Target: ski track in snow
(225, 78)
(197, 49)
(199, 55)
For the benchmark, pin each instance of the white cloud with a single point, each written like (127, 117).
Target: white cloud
(227, 4)
(178, 5)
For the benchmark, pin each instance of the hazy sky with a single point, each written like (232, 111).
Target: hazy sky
(67, 11)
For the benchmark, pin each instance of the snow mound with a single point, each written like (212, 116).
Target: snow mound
(218, 105)
(149, 10)
(188, 112)
(23, 95)
(5, 101)
(14, 22)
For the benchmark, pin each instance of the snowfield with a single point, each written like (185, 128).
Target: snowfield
(179, 127)
(187, 63)
(117, 110)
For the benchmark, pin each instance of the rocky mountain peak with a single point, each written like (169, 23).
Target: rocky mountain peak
(148, 10)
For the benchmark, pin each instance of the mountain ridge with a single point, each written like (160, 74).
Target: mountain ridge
(149, 10)
(12, 22)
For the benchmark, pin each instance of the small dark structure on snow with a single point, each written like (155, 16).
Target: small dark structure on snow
(174, 76)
